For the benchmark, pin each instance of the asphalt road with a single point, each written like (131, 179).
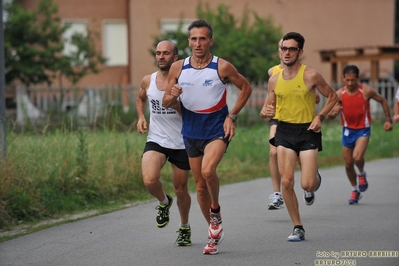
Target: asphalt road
(336, 233)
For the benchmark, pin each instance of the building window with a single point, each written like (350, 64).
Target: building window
(168, 25)
(115, 43)
(79, 27)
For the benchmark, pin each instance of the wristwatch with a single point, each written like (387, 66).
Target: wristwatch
(321, 117)
(233, 117)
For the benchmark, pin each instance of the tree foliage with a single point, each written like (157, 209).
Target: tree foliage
(249, 43)
(34, 47)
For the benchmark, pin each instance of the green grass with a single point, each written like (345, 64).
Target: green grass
(52, 174)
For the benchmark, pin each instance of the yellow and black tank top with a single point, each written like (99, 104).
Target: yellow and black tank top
(294, 102)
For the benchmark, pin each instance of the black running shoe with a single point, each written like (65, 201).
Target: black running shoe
(184, 237)
(163, 213)
(308, 197)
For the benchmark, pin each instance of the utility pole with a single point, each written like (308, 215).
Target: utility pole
(2, 89)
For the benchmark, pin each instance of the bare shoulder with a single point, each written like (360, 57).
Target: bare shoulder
(177, 66)
(311, 73)
(368, 92)
(175, 70)
(145, 82)
(274, 78)
(367, 88)
(225, 65)
(314, 79)
(178, 63)
(226, 70)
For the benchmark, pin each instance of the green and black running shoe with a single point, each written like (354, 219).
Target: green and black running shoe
(163, 213)
(184, 237)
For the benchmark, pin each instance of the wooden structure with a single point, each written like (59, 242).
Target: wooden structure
(374, 54)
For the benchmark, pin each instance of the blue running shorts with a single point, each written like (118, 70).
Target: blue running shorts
(350, 136)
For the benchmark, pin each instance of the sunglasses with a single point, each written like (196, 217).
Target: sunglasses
(291, 49)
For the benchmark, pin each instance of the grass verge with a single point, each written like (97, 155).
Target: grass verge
(56, 177)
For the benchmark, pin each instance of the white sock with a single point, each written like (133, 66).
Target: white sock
(187, 225)
(165, 201)
(354, 187)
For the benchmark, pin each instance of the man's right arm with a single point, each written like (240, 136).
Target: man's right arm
(140, 104)
(268, 109)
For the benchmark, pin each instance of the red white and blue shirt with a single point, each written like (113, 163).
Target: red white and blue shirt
(203, 101)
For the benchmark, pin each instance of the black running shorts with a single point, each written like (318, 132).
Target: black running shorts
(297, 137)
(177, 157)
(196, 147)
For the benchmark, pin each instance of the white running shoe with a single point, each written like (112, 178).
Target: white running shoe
(276, 201)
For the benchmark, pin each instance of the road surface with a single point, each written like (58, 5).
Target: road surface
(336, 232)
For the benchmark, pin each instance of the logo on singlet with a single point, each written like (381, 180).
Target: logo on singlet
(298, 89)
(184, 83)
(208, 82)
(157, 108)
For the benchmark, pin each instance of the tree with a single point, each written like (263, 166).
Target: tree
(250, 44)
(34, 47)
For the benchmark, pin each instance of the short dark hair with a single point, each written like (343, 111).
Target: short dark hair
(297, 37)
(351, 69)
(199, 24)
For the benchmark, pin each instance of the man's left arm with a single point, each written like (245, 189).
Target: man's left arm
(321, 85)
(327, 92)
(229, 73)
(373, 94)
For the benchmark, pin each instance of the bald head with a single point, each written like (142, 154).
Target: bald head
(165, 55)
(168, 45)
